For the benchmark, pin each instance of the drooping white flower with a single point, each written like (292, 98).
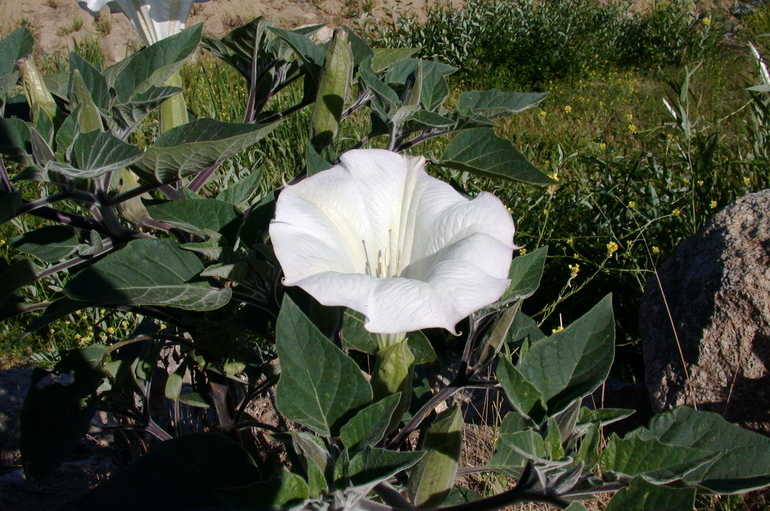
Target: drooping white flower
(153, 19)
(379, 235)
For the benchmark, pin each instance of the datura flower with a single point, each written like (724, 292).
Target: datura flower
(379, 235)
(153, 19)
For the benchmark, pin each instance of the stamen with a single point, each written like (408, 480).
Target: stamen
(367, 267)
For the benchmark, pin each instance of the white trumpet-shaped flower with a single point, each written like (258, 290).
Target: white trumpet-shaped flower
(379, 235)
(153, 19)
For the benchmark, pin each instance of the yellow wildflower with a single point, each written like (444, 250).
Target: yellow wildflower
(522, 251)
(707, 21)
(612, 247)
(713, 204)
(677, 212)
(632, 204)
(557, 329)
(632, 128)
(629, 117)
(747, 180)
(567, 109)
(542, 114)
(655, 249)
(574, 269)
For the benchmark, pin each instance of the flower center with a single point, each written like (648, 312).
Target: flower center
(389, 261)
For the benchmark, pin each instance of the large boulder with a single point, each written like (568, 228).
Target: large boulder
(715, 318)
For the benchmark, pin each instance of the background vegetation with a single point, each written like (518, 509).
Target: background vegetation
(649, 129)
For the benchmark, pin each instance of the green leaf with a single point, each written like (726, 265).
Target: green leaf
(57, 410)
(522, 394)
(373, 465)
(147, 272)
(15, 137)
(369, 425)
(17, 45)
(19, 274)
(655, 461)
(495, 104)
(424, 120)
(155, 64)
(93, 79)
(573, 362)
(50, 244)
(96, 153)
(239, 46)
(310, 54)
(316, 461)
(199, 216)
(66, 135)
(181, 474)
(129, 114)
(434, 476)
(385, 57)
(744, 456)
(524, 329)
(421, 347)
(399, 72)
(320, 386)
(514, 449)
(282, 492)
(10, 202)
(195, 146)
(314, 162)
(387, 101)
(643, 496)
(434, 86)
(241, 193)
(361, 50)
(481, 152)
(525, 274)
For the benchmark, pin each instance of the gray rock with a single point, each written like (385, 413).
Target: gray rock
(717, 290)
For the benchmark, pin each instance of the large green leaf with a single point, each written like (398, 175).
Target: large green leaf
(525, 274)
(155, 64)
(385, 57)
(15, 137)
(243, 191)
(195, 146)
(370, 424)
(522, 394)
(481, 152)
(50, 244)
(523, 329)
(643, 496)
(282, 492)
(10, 202)
(57, 410)
(320, 386)
(309, 53)
(655, 461)
(434, 86)
(434, 476)
(495, 104)
(93, 79)
(239, 46)
(98, 152)
(17, 45)
(18, 274)
(182, 474)
(373, 465)
(147, 272)
(127, 115)
(199, 216)
(743, 463)
(573, 362)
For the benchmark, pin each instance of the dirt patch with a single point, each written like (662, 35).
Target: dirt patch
(58, 25)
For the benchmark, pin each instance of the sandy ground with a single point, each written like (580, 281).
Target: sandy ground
(53, 22)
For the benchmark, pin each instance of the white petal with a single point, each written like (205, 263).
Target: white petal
(92, 6)
(330, 230)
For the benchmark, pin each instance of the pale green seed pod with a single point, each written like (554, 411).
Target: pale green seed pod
(173, 111)
(433, 477)
(393, 372)
(133, 209)
(38, 96)
(333, 89)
